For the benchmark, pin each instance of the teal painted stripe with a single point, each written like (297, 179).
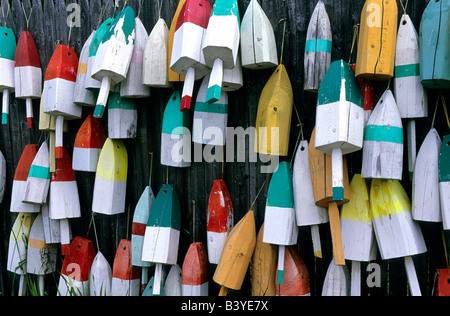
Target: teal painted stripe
(213, 94)
(444, 160)
(116, 102)
(412, 70)
(281, 192)
(99, 111)
(338, 194)
(216, 108)
(280, 277)
(226, 7)
(39, 172)
(382, 133)
(8, 40)
(318, 45)
(5, 119)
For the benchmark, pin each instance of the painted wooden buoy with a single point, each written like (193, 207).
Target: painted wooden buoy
(174, 76)
(221, 44)
(162, 233)
(149, 290)
(273, 121)
(122, 117)
(173, 283)
(259, 48)
(187, 55)
(133, 85)
(156, 64)
(280, 226)
(369, 95)
(296, 276)
(434, 45)
(443, 283)
(20, 182)
(175, 139)
(233, 79)
(377, 40)
(64, 198)
(52, 227)
(126, 279)
(92, 84)
(219, 220)
(337, 281)
(339, 119)
(59, 86)
(111, 179)
(444, 181)
(264, 267)
(383, 141)
(195, 271)
(358, 238)
(41, 257)
(100, 276)
(306, 211)
(113, 56)
(318, 46)
(237, 254)
(7, 53)
(74, 277)
(88, 144)
(27, 73)
(426, 204)
(81, 95)
(18, 248)
(398, 235)
(140, 219)
(38, 181)
(2, 176)
(210, 120)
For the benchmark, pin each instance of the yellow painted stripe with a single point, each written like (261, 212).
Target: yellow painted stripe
(358, 208)
(387, 198)
(82, 68)
(39, 244)
(113, 161)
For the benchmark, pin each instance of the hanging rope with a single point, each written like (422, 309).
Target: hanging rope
(25, 14)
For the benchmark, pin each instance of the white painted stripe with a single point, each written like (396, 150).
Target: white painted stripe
(36, 190)
(122, 124)
(68, 287)
(358, 241)
(7, 77)
(215, 244)
(161, 245)
(175, 150)
(280, 226)
(58, 99)
(382, 160)
(121, 287)
(85, 159)
(210, 128)
(195, 290)
(17, 206)
(109, 197)
(64, 200)
(28, 81)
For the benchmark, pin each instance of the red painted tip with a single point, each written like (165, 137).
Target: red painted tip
(65, 250)
(185, 103)
(25, 162)
(30, 122)
(59, 152)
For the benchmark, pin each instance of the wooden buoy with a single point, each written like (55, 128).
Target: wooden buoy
(173, 283)
(88, 144)
(111, 179)
(59, 86)
(7, 53)
(20, 182)
(156, 63)
(233, 79)
(318, 46)
(264, 267)
(339, 119)
(122, 117)
(377, 40)
(398, 235)
(41, 257)
(113, 57)
(444, 181)
(18, 246)
(195, 271)
(175, 141)
(81, 95)
(383, 141)
(74, 279)
(126, 278)
(210, 120)
(443, 281)
(296, 276)
(337, 281)
(273, 121)
(280, 226)
(149, 290)
(220, 220)
(187, 55)
(259, 48)
(236, 255)
(162, 234)
(173, 76)
(38, 181)
(100, 276)
(425, 186)
(52, 227)
(434, 45)
(306, 211)
(221, 44)
(27, 73)
(358, 238)
(133, 85)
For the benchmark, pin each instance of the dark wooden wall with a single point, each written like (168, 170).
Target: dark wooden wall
(48, 26)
